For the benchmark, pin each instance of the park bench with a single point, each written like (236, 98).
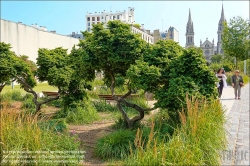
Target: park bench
(50, 94)
(110, 98)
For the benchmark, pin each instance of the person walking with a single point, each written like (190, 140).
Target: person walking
(222, 81)
(237, 83)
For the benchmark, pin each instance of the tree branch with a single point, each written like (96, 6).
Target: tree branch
(29, 89)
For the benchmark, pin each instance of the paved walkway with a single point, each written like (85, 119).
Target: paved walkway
(237, 114)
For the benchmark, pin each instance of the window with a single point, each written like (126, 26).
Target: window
(98, 18)
(88, 23)
(220, 28)
(118, 17)
(98, 22)
(102, 17)
(88, 19)
(221, 37)
(207, 52)
(93, 18)
(191, 39)
(113, 17)
(88, 29)
(93, 23)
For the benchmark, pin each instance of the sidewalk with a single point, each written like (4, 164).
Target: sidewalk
(237, 115)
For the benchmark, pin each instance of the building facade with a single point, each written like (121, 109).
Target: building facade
(145, 34)
(104, 17)
(209, 49)
(125, 17)
(170, 34)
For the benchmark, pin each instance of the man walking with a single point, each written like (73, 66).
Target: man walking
(237, 82)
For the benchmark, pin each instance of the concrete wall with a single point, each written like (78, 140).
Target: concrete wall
(26, 40)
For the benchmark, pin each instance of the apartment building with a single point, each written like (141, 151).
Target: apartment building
(125, 17)
(104, 17)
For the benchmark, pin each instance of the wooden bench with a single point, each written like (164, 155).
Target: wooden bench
(110, 97)
(50, 94)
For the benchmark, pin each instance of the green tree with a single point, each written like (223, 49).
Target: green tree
(172, 73)
(235, 39)
(137, 26)
(190, 75)
(7, 62)
(71, 74)
(13, 68)
(113, 50)
(217, 58)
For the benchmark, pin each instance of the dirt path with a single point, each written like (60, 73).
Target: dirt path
(90, 133)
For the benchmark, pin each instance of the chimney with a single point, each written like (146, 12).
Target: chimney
(19, 22)
(142, 26)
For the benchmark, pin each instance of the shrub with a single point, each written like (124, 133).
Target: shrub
(28, 96)
(102, 106)
(22, 133)
(16, 95)
(56, 103)
(28, 104)
(78, 112)
(115, 145)
(198, 141)
(57, 125)
(188, 74)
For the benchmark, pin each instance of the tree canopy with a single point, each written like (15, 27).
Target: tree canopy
(236, 41)
(13, 67)
(113, 50)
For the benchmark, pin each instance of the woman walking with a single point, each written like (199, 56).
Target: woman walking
(237, 83)
(222, 83)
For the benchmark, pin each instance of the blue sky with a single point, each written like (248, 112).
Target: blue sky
(66, 17)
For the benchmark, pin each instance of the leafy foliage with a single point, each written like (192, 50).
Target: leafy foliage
(188, 74)
(112, 50)
(235, 39)
(70, 73)
(12, 66)
(217, 58)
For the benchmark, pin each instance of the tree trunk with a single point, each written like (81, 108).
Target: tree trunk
(29, 89)
(141, 111)
(1, 88)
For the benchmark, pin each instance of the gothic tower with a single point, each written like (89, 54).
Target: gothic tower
(220, 32)
(189, 32)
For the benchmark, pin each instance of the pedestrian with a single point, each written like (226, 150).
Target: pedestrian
(222, 81)
(224, 72)
(237, 83)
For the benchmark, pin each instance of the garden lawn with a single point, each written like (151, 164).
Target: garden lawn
(39, 88)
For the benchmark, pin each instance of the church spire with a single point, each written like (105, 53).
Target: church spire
(222, 17)
(189, 31)
(189, 17)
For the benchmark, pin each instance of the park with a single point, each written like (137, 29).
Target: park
(60, 113)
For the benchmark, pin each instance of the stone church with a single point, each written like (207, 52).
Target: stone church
(207, 46)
